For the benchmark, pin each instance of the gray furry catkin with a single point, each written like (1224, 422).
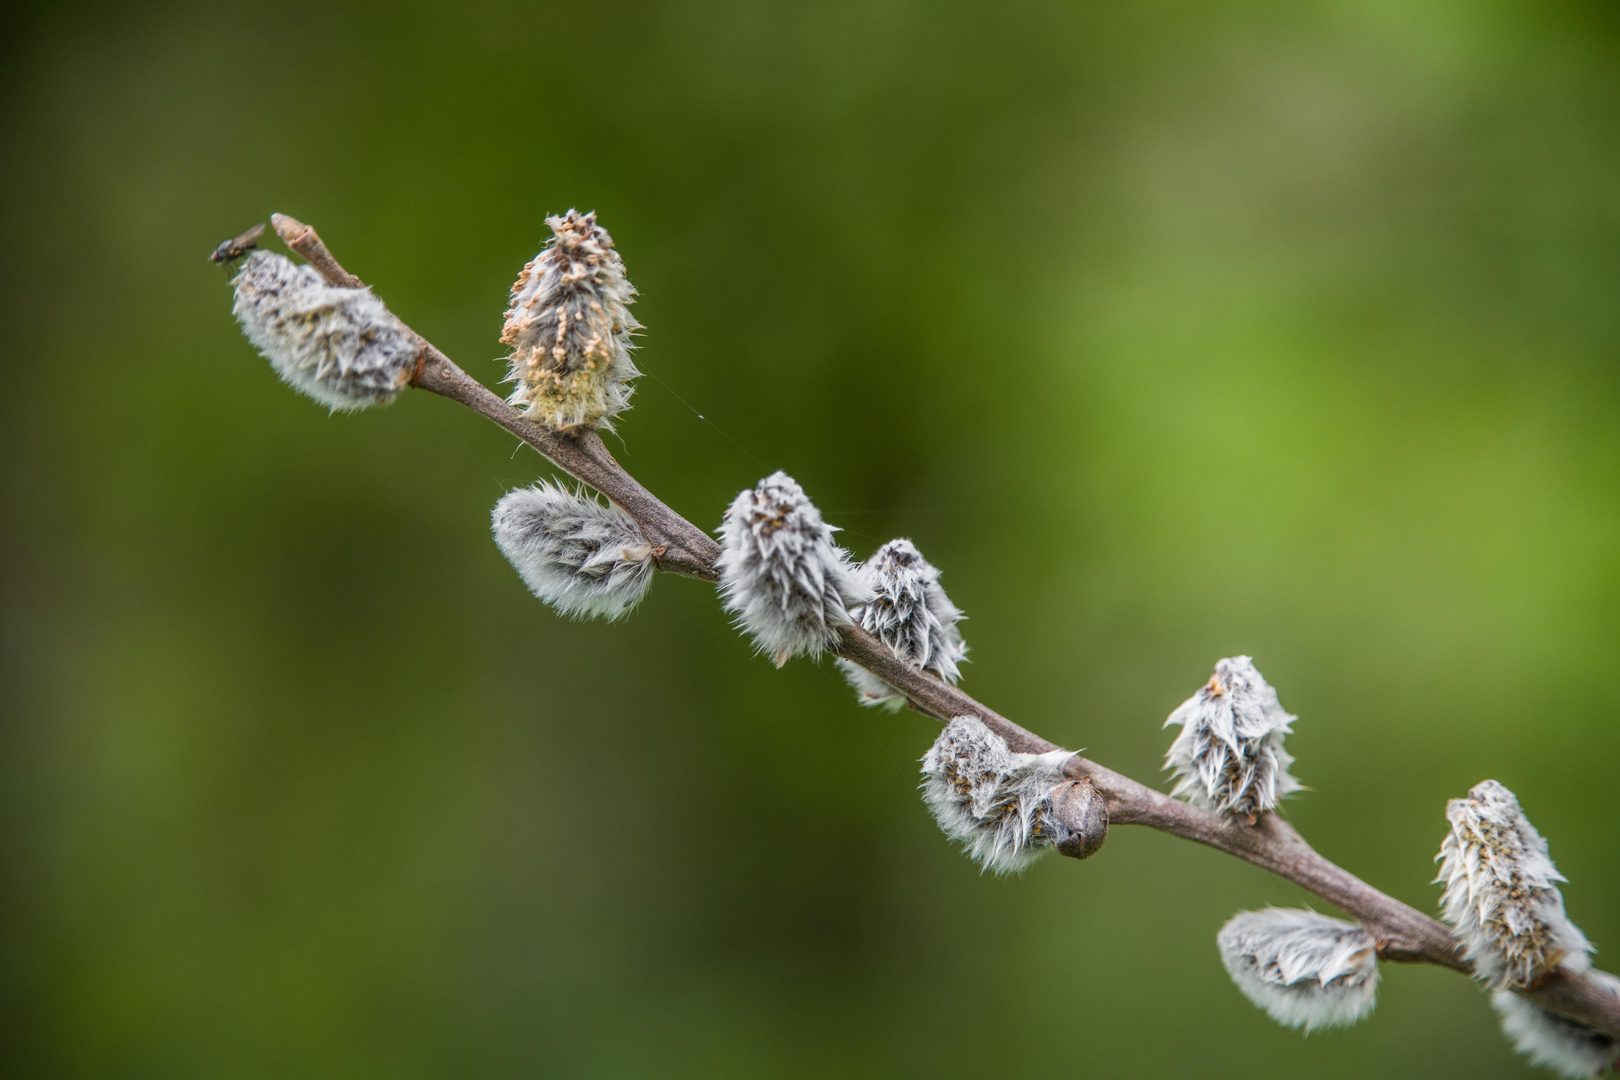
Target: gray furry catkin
(1305, 970)
(1501, 895)
(342, 347)
(584, 558)
(1229, 756)
(790, 586)
(910, 613)
(994, 802)
(569, 326)
(1565, 1046)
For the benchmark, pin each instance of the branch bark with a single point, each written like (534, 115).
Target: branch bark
(1404, 934)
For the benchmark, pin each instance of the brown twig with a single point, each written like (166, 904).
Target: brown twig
(1404, 933)
(304, 240)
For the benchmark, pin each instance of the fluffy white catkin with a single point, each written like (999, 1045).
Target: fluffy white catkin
(996, 803)
(790, 586)
(342, 347)
(569, 325)
(1229, 756)
(582, 557)
(1500, 894)
(1566, 1047)
(1305, 970)
(910, 613)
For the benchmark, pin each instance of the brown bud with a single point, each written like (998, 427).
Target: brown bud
(1082, 819)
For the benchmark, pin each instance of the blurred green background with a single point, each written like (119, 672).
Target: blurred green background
(1169, 330)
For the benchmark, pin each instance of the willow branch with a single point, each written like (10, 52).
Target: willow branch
(1403, 933)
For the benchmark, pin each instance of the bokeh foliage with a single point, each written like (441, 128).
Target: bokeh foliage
(1169, 330)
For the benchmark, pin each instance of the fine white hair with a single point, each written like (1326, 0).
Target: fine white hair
(1305, 970)
(789, 585)
(584, 558)
(1567, 1047)
(994, 802)
(1229, 756)
(342, 347)
(569, 325)
(1500, 894)
(910, 613)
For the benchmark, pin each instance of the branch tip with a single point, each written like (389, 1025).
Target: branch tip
(307, 242)
(290, 229)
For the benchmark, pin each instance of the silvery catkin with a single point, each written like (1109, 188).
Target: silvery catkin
(1567, 1047)
(569, 326)
(1501, 893)
(789, 585)
(342, 347)
(1305, 970)
(1229, 756)
(910, 613)
(995, 802)
(582, 557)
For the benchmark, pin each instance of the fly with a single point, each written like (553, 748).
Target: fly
(236, 247)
